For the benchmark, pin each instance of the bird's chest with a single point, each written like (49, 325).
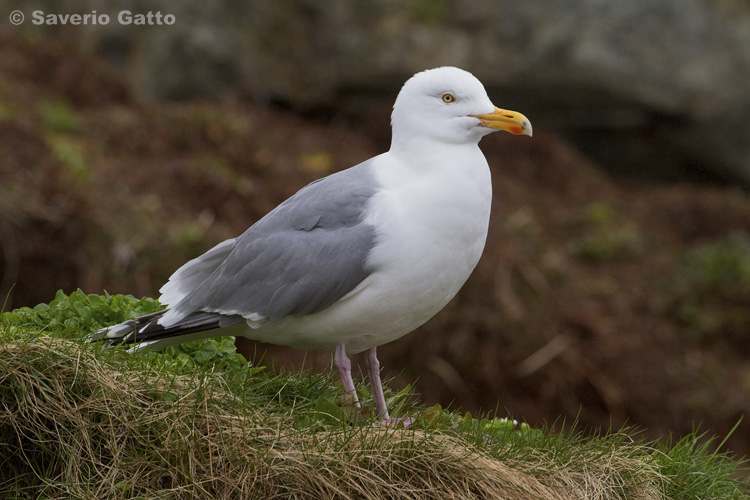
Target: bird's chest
(431, 233)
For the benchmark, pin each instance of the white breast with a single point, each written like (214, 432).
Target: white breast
(432, 222)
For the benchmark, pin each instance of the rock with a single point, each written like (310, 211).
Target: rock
(638, 85)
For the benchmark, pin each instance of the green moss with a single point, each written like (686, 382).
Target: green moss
(710, 288)
(430, 11)
(7, 111)
(59, 116)
(71, 155)
(189, 238)
(77, 314)
(606, 236)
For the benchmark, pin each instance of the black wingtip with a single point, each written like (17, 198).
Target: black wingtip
(130, 331)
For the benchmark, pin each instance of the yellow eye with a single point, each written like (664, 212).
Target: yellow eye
(448, 98)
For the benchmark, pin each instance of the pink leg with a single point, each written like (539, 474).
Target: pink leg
(373, 369)
(344, 366)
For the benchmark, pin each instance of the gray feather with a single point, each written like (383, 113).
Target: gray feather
(299, 259)
(194, 272)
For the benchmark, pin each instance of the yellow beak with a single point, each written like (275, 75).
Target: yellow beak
(510, 121)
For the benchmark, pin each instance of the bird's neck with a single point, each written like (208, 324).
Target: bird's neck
(426, 150)
(445, 164)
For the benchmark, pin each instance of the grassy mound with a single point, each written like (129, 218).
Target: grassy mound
(82, 421)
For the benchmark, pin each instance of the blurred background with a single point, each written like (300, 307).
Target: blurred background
(615, 285)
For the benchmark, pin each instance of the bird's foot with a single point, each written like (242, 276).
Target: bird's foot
(397, 423)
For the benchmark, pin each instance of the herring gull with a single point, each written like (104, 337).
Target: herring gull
(358, 258)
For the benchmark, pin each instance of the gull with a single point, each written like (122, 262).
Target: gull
(356, 259)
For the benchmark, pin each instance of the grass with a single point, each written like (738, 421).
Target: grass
(80, 420)
(607, 236)
(710, 289)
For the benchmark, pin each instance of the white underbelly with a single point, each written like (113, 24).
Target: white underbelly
(391, 302)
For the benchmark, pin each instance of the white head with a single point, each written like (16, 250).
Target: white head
(451, 106)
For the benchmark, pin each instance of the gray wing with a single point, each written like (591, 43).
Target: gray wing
(299, 259)
(188, 277)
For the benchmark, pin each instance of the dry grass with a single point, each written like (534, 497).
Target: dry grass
(73, 426)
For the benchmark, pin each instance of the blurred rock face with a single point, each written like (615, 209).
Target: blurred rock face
(649, 88)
